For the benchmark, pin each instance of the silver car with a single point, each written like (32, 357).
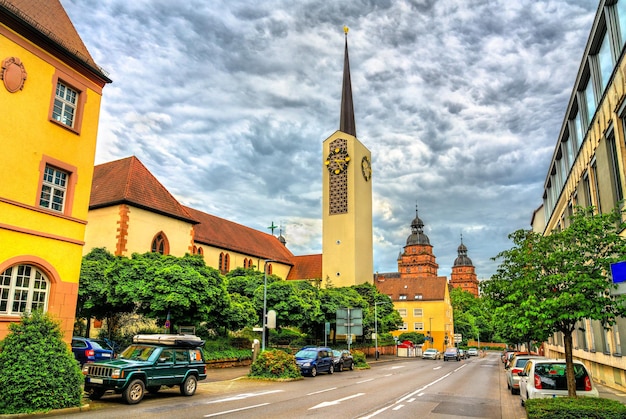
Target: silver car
(545, 378)
(513, 369)
(431, 353)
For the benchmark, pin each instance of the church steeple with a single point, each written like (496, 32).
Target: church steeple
(346, 122)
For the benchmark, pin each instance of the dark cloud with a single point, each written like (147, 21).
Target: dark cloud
(228, 104)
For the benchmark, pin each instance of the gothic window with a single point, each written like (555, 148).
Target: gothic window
(160, 244)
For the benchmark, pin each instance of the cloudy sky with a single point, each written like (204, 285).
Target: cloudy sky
(228, 103)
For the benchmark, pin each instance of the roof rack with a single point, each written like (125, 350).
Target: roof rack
(191, 341)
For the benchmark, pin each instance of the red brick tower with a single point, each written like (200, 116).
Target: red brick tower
(463, 272)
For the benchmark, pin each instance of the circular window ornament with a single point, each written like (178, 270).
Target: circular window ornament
(13, 74)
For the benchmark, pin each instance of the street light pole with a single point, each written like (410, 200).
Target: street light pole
(264, 302)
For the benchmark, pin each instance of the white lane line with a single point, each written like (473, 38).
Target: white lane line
(412, 400)
(335, 402)
(235, 410)
(436, 368)
(387, 375)
(462, 366)
(400, 406)
(244, 396)
(365, 381)
(322, 391)
(402, 399)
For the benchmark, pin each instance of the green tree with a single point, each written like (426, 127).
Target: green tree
(416, 338)
(38, 371)
(549, 283)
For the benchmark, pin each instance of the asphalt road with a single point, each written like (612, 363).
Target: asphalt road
(392, 388)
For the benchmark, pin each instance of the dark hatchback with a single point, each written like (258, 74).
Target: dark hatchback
(452, 354)
(343, 360)
(315, 360)
(91, 350)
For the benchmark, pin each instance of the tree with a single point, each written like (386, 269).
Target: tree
(38, 371)
(415, 337)
(549, 283)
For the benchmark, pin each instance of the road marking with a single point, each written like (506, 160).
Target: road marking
(322, 391)
(387, 375)
(235, 410)
(436, 368)
(402, 399)
(412, 400)
(396, 367)
(421, 394)
(335, 402)
(400, 406)
(365, 381)
(244, 396)
(462, 366)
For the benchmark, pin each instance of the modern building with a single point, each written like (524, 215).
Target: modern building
(50, 94)
(347, 237)
(420, 296)
(588, 169)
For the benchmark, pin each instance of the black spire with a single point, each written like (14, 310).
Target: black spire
(346, 122)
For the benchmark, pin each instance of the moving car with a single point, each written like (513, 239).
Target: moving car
(516, 365)
(431, 353)
(544, 378)
(90, 350)
(463, 354)
(451, 353)
(314, 360)
(343, 360)
(152, 361)
(472, 352)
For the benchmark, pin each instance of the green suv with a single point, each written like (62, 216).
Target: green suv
(150, 362)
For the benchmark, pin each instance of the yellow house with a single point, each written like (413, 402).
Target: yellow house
(420, 296)
(50, 97)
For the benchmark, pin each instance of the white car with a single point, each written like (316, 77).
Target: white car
(431, 354)
(544, 378)
(472, 352)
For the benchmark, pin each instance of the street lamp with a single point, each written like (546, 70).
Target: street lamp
(376, 323)
(265, 302)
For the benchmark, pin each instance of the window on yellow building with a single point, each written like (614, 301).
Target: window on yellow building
(404, 326)
(418, 312)
(418, 326)
(418, 296)
(402, 297)
(53, 189)
(23, 288)
(65, 103)
(402, 312)
(160, 244)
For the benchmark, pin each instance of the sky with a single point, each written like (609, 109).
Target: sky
(228, 103)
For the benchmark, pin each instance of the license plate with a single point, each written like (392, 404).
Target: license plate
(96, 380)
(106, 355)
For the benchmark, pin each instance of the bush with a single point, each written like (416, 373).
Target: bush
(575, 408)
(359, 359)
(275, 364)
(38, 371)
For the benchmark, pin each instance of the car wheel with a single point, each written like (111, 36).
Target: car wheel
(508, 386)
(188, 388)
(331, 369)
(521, 401)
(96, 393)
(153, 389)
(134, 392)
(313, 372)
(340, 367)
(352, 366)
(514, 391)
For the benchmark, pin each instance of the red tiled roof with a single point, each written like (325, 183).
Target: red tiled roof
(48, 20)
(431, 289)
(221, 233)
(306, 267)
(129, 181)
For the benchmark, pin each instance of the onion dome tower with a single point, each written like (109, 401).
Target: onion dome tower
(417, 259)
(463, 272)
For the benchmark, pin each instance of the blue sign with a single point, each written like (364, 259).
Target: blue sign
(618, 272)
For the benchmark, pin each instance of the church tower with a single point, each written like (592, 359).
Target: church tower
(463, 272)
(417, 260)
(347, 243)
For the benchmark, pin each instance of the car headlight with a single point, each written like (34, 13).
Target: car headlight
(306, 364)
(117, 373)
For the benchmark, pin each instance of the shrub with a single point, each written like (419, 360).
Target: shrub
(359, 359)
(38, 371)
(575, 408)
(275, 364)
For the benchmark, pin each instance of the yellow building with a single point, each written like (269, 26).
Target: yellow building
(420, 296)
(50, 102)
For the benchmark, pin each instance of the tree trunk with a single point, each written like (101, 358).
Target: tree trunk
(569, 364)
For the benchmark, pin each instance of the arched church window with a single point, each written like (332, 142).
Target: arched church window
(160, 244)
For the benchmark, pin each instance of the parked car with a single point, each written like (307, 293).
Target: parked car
(431, 353)
(152, 361)
(314, 360)
(451, 353)
(472, 352)
(90, 350)
(505, 355)
(510, 355)
(544, 378)
(343, 360)
(516, 365)
(462, 354)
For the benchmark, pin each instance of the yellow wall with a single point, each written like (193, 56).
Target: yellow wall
(28, 234)
(347, 243)
(212, 257)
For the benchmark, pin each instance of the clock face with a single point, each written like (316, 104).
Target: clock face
(366, 168)
(337, 160)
